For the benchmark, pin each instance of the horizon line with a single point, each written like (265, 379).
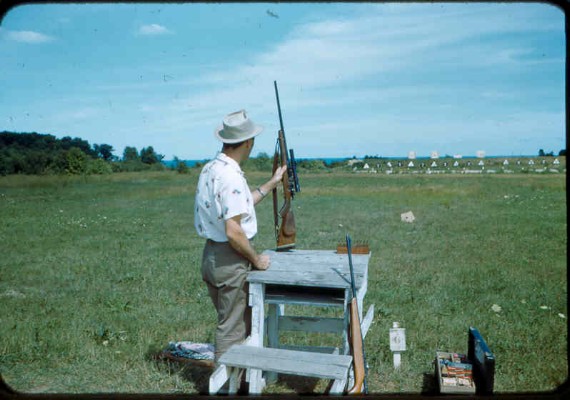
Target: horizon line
(394, 157)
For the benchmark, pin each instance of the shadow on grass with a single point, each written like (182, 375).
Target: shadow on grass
(429, 385)
(196, 371)
(297, 384)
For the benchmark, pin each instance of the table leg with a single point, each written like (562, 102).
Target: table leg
(345, 345)
(235, 376)
(256, 301)
(274, 311)
(360, 293)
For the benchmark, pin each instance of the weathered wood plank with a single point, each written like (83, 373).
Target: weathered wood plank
(311, 268)
(235, 378)
(256, 297)
(317, 256)
(217, 379)
(302, 363)
(367, 321)
(256, 300)
(338, 387)
(329, 278)
(299, 264)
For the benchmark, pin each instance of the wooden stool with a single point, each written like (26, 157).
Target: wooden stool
(292, 362)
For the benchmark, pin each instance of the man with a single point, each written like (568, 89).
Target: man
(224, 214)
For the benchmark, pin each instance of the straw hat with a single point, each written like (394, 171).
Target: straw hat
(237, 127)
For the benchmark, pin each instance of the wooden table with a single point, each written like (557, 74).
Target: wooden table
(309, 278)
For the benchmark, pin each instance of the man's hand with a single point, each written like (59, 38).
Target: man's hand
(241, 244)
(278, 176)
(268, 186)
(262, 262)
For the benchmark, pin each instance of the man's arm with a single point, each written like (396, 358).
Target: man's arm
(239, 241)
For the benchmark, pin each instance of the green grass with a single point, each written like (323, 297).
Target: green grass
(98, 274)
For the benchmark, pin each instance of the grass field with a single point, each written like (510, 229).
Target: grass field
(99, 273)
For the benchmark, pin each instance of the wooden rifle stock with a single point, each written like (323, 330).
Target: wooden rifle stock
(285, 231)
(356, 349)
(356, 341)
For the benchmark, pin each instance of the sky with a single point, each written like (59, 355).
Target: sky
(354, 79)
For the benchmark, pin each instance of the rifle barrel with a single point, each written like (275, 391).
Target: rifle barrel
(279, 107)
(349, 251)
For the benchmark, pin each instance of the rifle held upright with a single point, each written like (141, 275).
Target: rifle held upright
(285, 229)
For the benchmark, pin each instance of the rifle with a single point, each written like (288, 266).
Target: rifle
(355, 334)
(286, 230)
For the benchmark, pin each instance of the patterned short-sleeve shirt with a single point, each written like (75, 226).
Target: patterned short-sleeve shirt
(223, 193)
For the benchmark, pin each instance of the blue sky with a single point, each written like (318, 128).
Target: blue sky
(354, 79)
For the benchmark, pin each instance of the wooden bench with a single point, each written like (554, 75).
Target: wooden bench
(317, 365)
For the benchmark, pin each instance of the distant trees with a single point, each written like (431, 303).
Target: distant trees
(67, 143)
(149, 156)
(34, 153)
(130, 154)
(260, 163)
(135, 161)
(180, 166)
(264, 162)
(104, 151)
(146, 156)
(312, 165)
(541, 153)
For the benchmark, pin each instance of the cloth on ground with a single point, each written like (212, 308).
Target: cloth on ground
(195, 351)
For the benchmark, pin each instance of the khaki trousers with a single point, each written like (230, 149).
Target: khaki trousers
(225, 270)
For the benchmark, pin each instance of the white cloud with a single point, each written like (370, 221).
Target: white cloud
(153, 30)
(28, 37)
(84, 113)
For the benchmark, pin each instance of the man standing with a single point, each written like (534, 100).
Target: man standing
(224, 215)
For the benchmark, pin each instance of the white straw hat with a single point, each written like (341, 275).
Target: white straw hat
(236, 128)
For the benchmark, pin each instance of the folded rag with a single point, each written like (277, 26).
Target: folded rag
(195, 351)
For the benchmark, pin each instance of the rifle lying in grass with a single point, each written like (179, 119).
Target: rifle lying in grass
(355, 334)
(285, 230)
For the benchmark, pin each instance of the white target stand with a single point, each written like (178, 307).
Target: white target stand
(397, 343)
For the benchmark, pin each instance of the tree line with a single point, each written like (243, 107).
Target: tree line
(39, 154)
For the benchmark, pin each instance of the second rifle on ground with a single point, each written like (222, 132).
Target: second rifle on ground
(356, 341)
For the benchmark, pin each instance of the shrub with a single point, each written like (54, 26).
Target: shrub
(99, 167)
(75, 161)
(181, 167)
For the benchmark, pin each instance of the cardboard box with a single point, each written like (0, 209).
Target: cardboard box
(467, 374)
(454, 373)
